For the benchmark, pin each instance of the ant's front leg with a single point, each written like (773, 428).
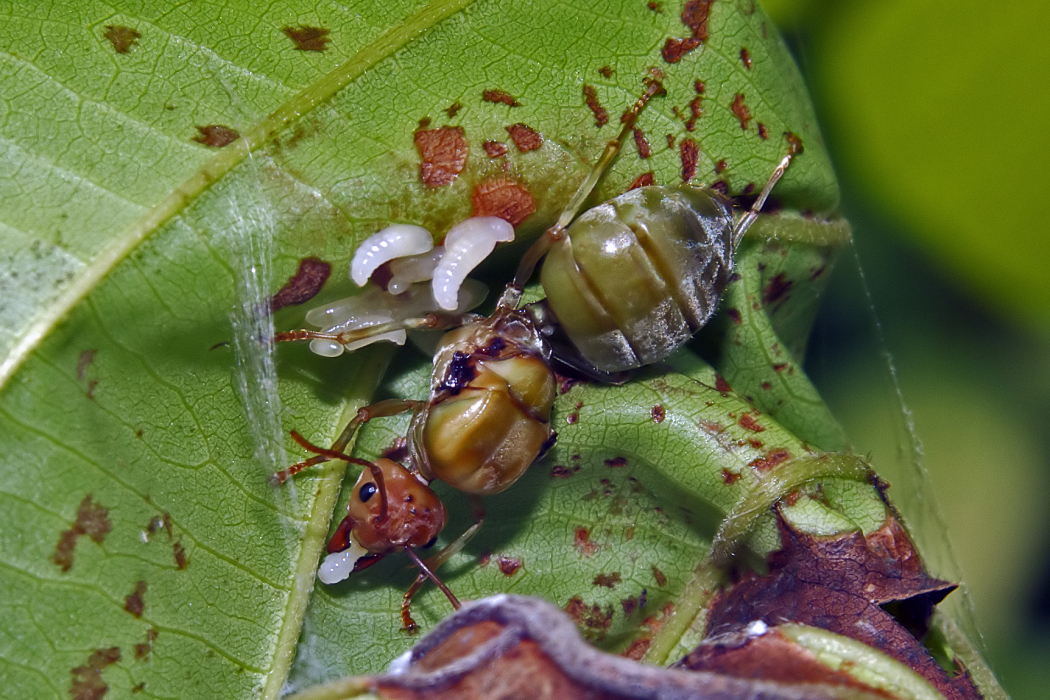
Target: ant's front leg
(380, 409)
(429, 565)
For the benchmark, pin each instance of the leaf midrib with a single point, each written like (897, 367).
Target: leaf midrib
(254, 137)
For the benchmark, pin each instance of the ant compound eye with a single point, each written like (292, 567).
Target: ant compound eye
(367, 491)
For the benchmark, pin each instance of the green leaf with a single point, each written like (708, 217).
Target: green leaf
(128, 250)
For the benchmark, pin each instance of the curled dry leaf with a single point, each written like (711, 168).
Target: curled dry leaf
(513, 646)
(848, 584)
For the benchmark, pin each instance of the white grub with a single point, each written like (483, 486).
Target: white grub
(397, 241)
(338, 566)
(466, 245)
(414, 268)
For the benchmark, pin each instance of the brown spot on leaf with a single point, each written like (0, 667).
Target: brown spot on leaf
(734, 315)
(504, 197)
(84, 361)
(643, 180)
(606, 71)
(524, 137)
(500, 97)
(670, 140)
(748, 422)
(582, 542)
(308, 38)
(658, 413)
(642, 144)
(721, 385)
(694, 16)
(509, 566)
(122, 38)
(144, 649)
(690, 154)
(741, 111)
(616, 462)
(745, 57)
(590, 97)
(181, 561)
(779, 366)
(138, 687)
(776, 289)
(720, 167)
(561, 472)
(158, 523)
(654, 6)
(729, 477)
(87, 680)
(771, 460)
(67, 543)
(794, 143)
(423, 124)
(133, 603)
(92, 520)
(699, 86)
(763, 132)
(638, 648)
(607, 580)
(453, 109)
(674, 48)
(844, 584)
(661, 579)
(591, 617)
(442, 154)
(633, 603)
(216, 135)
(756, 443)
(494, 149)
(695, 111)
(303, 285)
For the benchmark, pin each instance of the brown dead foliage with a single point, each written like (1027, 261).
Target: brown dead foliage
(842, 584)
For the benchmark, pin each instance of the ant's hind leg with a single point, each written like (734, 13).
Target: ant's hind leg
(432, 563)
(380, 409)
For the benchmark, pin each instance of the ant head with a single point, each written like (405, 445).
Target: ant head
(391, 508)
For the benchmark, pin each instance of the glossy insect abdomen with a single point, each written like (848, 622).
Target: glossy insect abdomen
(635, 277)
(483, 435)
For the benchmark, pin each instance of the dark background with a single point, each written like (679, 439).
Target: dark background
(937, 325)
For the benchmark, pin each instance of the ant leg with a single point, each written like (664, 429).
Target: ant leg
(427, 566)
(552, 235)
(407, 623)
(749, 218)
(432, 321)
(380, 409)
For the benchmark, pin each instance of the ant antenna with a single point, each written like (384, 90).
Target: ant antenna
(749, 218)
